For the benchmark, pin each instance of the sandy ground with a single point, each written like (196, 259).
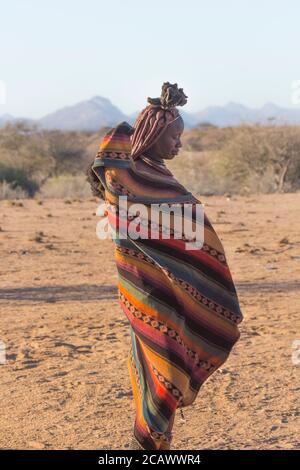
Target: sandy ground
(65, 383)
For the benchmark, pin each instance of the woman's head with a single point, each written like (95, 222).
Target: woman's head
(159, 126)
(168, 144)
(156, 132)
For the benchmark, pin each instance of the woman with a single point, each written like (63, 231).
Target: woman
(181, 303)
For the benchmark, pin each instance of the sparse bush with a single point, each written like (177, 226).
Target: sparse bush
(18, 178)
(242, 159)
(65, 186)
(7, 191)
(196, 171)
(261, 159)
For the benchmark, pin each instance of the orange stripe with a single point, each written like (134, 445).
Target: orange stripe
(154, 313)
(214, 319)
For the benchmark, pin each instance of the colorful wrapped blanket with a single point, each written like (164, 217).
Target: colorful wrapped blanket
(181, 304)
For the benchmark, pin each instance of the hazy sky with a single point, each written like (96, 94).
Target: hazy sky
(58, 52)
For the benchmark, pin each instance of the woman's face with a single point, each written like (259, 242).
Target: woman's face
(169, 143)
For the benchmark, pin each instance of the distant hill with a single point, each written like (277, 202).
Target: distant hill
(233, 114)
(98, 112)
(5, 118)
(87, 115)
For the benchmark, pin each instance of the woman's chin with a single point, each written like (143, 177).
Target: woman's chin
(171, 156)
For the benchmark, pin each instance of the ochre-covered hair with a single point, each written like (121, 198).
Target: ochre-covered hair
(154, 119)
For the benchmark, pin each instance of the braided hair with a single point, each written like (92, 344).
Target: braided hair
(170, 97)
(97, 187)
(154, 119)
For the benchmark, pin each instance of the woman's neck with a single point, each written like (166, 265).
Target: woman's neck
(150, 154)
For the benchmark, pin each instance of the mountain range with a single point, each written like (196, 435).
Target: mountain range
(97, 112)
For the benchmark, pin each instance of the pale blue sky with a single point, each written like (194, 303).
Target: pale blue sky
(58, 52)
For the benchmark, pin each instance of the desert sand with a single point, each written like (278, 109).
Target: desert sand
(65, 383)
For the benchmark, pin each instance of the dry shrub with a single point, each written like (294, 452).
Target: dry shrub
(65, 186)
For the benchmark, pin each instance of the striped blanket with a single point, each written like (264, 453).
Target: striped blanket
(181, 304)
